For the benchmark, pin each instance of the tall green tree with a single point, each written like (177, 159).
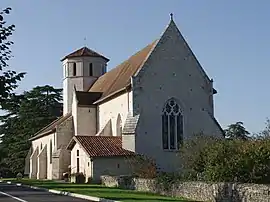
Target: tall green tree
(237, 131)
(26, 114)
(8, 78)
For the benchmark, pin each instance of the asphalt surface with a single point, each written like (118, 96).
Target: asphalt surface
(14, 193)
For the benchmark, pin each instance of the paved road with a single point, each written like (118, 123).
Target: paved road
(13, 193)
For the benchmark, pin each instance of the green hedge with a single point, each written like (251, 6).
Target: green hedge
(220, 160)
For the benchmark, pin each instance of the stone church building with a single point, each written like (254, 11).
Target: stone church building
(146, 105)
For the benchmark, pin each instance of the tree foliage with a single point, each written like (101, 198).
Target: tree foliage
(8, 78)
(265, 133)
(26, 114)
(237, 131)
(229, 160)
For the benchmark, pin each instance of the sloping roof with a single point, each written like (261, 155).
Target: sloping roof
(101, 146)
(130, 124)
(87, 98)
(217, 123)
(51, 127)
(84, 51)
(119, 77)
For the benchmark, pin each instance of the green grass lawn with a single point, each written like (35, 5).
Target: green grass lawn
(99, 191)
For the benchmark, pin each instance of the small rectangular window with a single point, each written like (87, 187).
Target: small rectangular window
(78, 165)
(90, 69)
(74, 69)
(78, 152)
(54, 139)
(50, 151)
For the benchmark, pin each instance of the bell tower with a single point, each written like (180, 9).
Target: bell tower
(80, 70)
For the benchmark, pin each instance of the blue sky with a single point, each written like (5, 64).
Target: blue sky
(230, 39)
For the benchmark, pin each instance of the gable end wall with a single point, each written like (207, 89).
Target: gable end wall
(170, 71)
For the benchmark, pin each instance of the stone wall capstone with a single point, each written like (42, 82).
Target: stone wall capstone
(200, 191)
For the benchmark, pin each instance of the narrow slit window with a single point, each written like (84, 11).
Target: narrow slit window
(91, 69)
(50, 151)
(74, 69)
(78, 165)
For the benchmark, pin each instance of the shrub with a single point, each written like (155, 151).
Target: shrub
(89, 180)
(227, 160)
(142, 166)
(166, 180)
(78, 178)
(192, 155)
(19, 176)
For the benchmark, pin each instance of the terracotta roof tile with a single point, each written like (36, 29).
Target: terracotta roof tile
(49, 128)
(102, 146)
(119, 77)
(87, 98)
(84, 51)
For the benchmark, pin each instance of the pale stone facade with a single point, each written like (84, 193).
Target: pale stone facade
(41, 156)
(116, 111)
(85, 163)
(95, 167)
(153, 101)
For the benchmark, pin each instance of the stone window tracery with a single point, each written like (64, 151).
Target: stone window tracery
(172, 125)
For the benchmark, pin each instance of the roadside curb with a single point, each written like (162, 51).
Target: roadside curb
(64, 193)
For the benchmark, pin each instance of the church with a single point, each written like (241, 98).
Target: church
(148, 105)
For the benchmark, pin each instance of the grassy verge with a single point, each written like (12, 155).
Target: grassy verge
(98, 191)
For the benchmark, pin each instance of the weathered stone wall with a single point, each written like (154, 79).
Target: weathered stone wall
(200, 191)
(175, 73)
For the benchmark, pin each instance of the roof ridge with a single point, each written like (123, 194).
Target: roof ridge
(120, 76)
(84, 51)
(98, 136)
(50, 124)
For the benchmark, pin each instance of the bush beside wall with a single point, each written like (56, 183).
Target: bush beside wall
(200, 191)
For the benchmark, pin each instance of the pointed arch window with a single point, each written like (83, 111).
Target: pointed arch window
(172, 125)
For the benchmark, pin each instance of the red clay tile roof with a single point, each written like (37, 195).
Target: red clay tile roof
(119, 77)
(101, 146)
(84, 51)
(51, 127)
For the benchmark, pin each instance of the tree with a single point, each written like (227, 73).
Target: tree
(237, 131)
(265, 133)
(26, 114)
(8, 78)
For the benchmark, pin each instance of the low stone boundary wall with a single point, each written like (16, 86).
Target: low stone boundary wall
(200, 191)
